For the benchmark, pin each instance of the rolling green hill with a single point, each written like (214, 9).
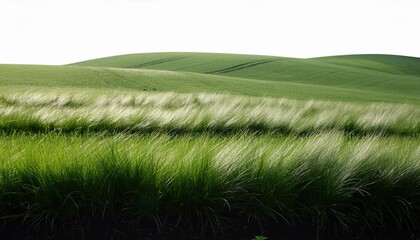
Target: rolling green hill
(359, 78)
(399, 65)
(380, 73)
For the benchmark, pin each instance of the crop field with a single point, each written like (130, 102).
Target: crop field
(211, 146)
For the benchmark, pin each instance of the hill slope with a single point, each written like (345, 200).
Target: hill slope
(399, 65)
(379, 73)
(31, 77)
(344, 78)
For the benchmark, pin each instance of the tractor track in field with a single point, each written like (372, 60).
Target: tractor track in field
(242, 66)
(159, 61)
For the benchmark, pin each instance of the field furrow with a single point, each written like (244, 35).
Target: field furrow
(155, 62)
(241, 66)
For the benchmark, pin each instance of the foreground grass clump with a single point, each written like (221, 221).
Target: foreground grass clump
(197, 113)
(329, 179)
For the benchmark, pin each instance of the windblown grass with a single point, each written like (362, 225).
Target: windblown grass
(328, 178)
(206, 160)
(197, 113)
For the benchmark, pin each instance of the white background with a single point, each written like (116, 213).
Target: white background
(65, 31)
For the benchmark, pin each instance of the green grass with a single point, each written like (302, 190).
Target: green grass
(198, 181)
(205, 141)
(42, 111)
(235, 74)
(398, 65)
(372, 73)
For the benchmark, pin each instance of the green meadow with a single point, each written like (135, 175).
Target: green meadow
(211, 144)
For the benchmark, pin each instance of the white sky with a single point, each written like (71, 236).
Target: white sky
(65, 31)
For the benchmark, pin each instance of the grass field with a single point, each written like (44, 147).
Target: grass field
(327, 177)
(198, 113)
(212, 144)
(235, 74)
(392, 75)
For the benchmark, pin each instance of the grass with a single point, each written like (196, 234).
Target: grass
(371, 73)
(399, 65)
(211, 144)
(302, 79)
(189, 179)
(197, 113)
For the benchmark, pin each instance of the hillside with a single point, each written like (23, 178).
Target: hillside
(27, 77)
(399, 65)
(342, 78)
(378, 73)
